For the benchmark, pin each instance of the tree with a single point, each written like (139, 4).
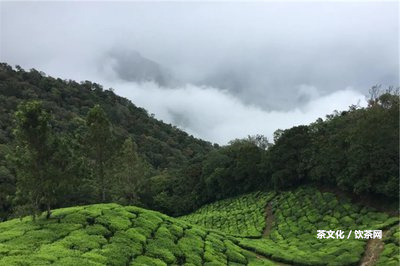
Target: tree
(290, 156)
(35, 157)
(99, 140)
(130, 173)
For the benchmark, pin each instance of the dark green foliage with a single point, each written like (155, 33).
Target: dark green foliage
(42, 161)
(7, 183)
(159, 145)
(233, 169)
(130, 173)
(163, 168)
(355, 150)
(163, 145)
(99, 146)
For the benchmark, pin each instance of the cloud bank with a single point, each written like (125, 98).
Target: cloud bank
(219, 70)
(219, 117)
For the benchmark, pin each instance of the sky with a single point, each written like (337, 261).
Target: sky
(218, 70)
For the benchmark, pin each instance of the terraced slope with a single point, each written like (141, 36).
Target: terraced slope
(295, 216)
(109, 234)
(298, 216)
(239, 216)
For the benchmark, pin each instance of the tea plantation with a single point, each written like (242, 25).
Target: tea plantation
(109, 234)
(227, 232)
(239, 216)
(298, 216)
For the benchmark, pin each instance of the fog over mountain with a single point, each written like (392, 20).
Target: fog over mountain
(130, 65)
(218, 70)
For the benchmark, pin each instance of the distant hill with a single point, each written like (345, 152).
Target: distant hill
(163, 145)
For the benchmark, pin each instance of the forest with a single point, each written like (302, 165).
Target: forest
(69, 144)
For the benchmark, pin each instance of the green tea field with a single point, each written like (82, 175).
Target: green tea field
(261, 228)
(296, 216)
(109, 234)
(240, 216)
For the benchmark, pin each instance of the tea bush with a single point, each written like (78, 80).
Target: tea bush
(226, 232)
(110, 234)
(298, 216)
(391, 249)
(240, 216)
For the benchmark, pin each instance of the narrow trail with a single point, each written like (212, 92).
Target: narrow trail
(373, 250)
(269, 220)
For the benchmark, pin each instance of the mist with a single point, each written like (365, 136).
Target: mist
(219, 70)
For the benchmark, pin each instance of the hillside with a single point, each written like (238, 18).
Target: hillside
(250, 202)
(234, 231)
(159, 145)
(239, 216)
(283, 227)
(110, 234)
(163, 145)
(157, 166)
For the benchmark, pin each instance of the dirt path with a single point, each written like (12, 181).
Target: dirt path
(269, 220)
(372, 251)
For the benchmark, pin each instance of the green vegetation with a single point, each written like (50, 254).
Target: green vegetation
(109, 234)
(355, 150)
(391, 250)
(70, 108)
(239, 216)
(298, 216)
(64, 143)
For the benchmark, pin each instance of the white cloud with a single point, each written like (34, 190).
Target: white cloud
(217, 116)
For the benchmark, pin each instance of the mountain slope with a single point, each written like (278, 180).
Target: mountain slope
(239, 216)
(110, 234)
(163, 145)
(297, 215)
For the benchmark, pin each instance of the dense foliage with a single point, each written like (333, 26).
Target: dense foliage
(356, 150)
(298, 216)
(239, 216)
(77, 114)
(41, 160)
(109, 234)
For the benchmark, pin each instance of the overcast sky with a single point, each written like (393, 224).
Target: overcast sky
(220, 70)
